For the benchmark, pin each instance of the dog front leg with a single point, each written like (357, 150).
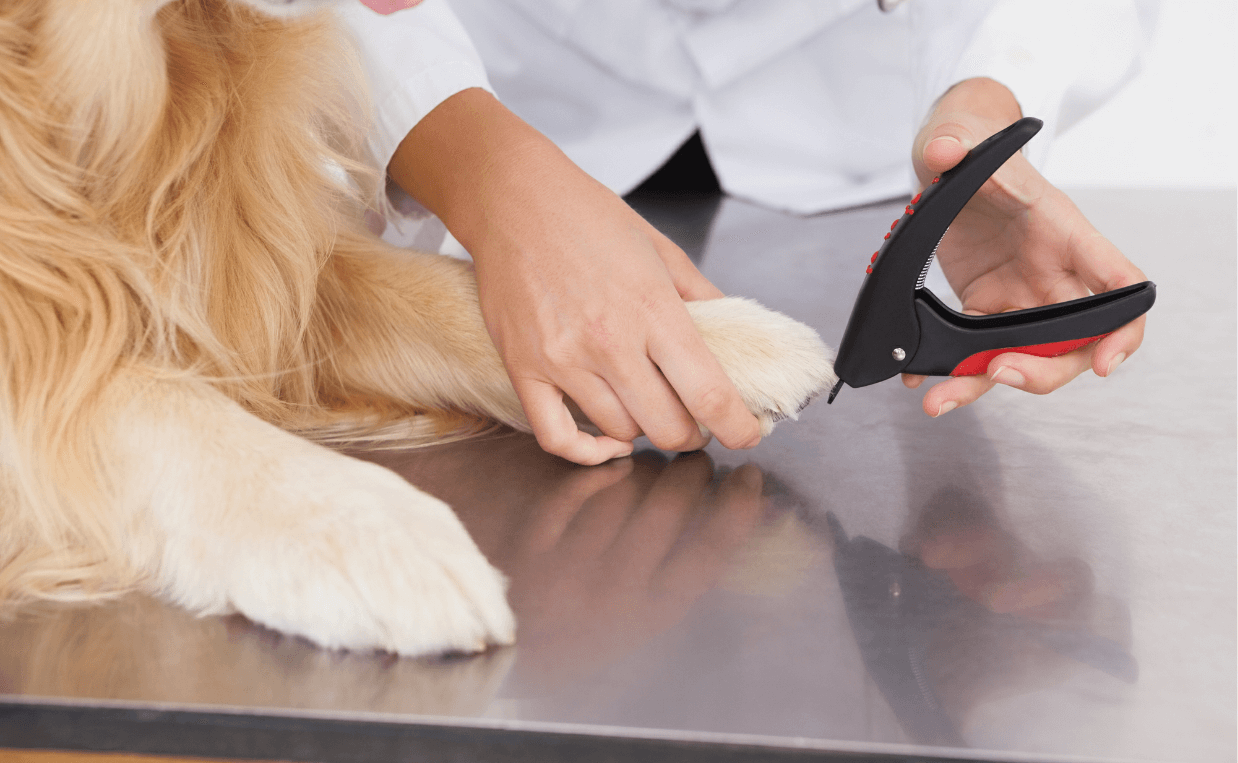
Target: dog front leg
(405, 328)
(408, 325)
(230, 513)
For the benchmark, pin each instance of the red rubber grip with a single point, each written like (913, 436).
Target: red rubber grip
(979, 363)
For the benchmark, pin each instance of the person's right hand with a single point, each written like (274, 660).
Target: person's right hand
(581, 296)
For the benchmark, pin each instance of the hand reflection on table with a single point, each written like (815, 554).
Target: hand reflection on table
(1050, 623)
(603, 562)
(964, 539)
(619, 557)
(966, 613)
(601, 559)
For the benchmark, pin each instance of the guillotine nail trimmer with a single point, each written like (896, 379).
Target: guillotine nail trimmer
(899, 326)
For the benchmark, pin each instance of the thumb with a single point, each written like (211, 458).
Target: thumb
(946, 148)
(941, 145)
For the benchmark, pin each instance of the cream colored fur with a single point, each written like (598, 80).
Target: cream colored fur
(183, 283)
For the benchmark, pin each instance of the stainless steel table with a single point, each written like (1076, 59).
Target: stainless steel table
(1029, 578)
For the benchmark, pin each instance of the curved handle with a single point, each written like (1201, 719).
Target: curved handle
(962, 345)
(884, 318)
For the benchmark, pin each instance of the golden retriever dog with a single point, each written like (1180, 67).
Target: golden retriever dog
(190, 305)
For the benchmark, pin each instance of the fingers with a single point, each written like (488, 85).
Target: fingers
(641, 401)
(545, 529)
(656, 524)
(602, 406)
(955, 392)
(703, 386)
(1094, 259)
(695, 566)
(691, 285)
(556, 430)
(1033, 374)
(1102, 267)
(1040, 376)
(1117, 347)
(946, 147)
(649, 397)
(990, 566)
(966, 114)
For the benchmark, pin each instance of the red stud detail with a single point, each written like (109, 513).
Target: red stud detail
(893, 224)
(874, 259)
(868, 269)
(936, 179)
(916, 200)
(909, 210)
(887, 235)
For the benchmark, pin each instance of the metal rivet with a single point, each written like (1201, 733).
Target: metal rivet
(895, 589)
(898, 353)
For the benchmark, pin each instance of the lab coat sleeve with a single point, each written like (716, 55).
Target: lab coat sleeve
(414, 59)
(1060, 58)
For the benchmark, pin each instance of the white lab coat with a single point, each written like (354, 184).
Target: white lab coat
(803, 105)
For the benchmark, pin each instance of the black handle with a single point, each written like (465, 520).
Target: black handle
(883, 333)
(949, 338)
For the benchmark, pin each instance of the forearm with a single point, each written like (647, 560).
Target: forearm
(471, 148)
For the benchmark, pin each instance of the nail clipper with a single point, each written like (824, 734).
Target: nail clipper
(899, 326)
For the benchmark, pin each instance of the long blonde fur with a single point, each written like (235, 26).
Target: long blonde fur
(183, 264)
(167, 201)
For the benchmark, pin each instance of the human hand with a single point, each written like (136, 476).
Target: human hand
(1019, 243)
(964, 539)
(582, 297)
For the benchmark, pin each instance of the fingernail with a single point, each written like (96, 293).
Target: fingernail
(1008, 376)
(950, 138)
(1113, 364)
(704, 432)
(946, 407)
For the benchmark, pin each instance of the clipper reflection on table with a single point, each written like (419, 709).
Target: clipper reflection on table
(897, 607)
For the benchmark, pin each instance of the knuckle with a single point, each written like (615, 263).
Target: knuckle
(556, 443)
(752, 440)
(712, 402)
(623, 432)
(559, 352)
(678, 439)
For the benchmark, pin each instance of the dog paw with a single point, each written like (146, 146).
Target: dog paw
(778, 364)
(344, 553)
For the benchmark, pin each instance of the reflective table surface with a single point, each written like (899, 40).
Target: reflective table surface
(1028, 578)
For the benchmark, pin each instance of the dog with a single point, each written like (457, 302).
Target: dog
(191, 305)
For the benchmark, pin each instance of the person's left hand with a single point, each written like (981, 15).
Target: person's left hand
(1019, 243)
